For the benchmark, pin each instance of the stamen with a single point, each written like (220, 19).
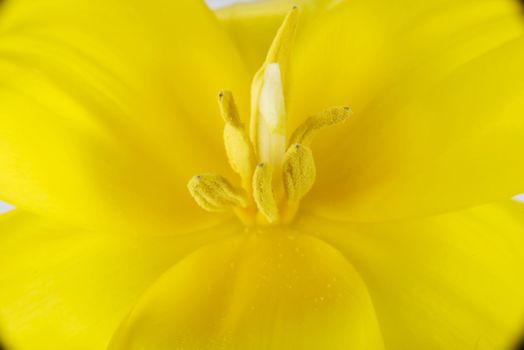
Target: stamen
(263, 192)
(332, 116)
(214, 193)
(299, 172)
(238, 148)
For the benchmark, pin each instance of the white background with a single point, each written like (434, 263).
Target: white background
(219, 3)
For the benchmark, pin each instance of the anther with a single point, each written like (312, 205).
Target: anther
(236, 141)
(332, 116)
(263, 192)
(299, 172)
(214, 193)
(228, 108)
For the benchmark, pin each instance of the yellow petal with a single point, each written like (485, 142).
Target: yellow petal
(340, 58)
(66, 289)
(441, 135)
(447, 282)
(272, 290)
(346, 55)
(253, 25)
(108, 108)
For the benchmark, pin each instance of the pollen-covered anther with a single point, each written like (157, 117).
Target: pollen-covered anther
(214, 193)
(263, 192)
(299, 172)
(236, 140)
(332, 116)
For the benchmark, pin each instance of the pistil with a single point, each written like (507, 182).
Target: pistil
(272, 126)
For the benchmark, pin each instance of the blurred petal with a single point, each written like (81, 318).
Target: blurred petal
(68, 289)
(349, 53)
(108, 107)
(433, 146)
(447, 282)
(269, 290)
(340, 58)
(444, 131)
(253, 25)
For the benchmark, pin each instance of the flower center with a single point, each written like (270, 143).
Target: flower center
(275, 173)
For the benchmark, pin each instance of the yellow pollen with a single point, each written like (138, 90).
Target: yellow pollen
(263, 192)
(214, 193)
(228, 109)
(331, 116)
(236, 141)
(272, 190)
(299, 172)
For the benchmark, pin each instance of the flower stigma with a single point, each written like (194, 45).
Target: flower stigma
(275, 173)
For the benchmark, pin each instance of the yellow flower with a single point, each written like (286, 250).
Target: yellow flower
(392, 229)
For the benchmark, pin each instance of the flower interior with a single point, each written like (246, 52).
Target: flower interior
(275, 172)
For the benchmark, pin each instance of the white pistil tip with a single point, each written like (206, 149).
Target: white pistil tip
(272, 105)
